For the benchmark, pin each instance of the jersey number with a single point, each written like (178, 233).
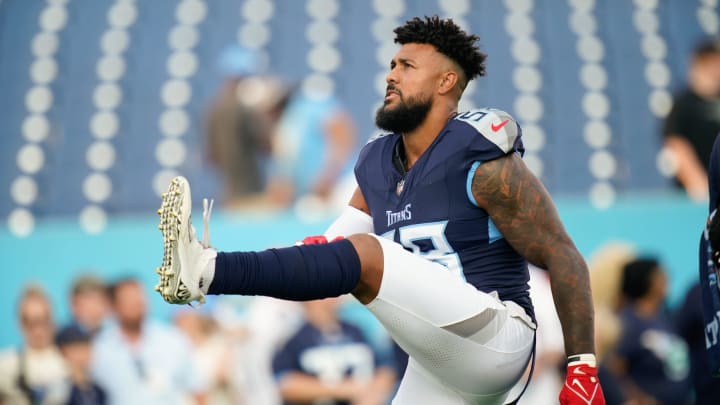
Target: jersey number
(428, 240)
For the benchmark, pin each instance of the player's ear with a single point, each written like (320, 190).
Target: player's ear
(448, 81)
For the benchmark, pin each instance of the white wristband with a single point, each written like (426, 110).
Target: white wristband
(585, 358)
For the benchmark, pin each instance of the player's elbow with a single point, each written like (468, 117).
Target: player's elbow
(565, 257)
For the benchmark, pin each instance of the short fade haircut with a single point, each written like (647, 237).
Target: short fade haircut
(449, 39)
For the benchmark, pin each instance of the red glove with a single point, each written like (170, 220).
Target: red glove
(582, 385)
(317, 240)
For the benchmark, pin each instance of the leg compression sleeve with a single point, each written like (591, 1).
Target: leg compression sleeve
(295, 273)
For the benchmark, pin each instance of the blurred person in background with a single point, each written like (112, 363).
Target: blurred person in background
(694, 121)
(34, 373)
(313, 146)
(89, 303)
(213, 355)
(330, 361)
(651, 359)
(273, 144)
(237, 134)
(74, 344)
(269, 323)
(699, 315)
(606, 271)
(691, 327)
(136, 360)
(549, 349)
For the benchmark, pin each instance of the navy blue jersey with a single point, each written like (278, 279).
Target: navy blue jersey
(331, 357)
(431, 211)
(656, 357)
(714, 174)
(710, 290)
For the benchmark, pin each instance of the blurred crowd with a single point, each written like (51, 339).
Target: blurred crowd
(239, 350)
(276, 145)
(256, 351)
(647, 353)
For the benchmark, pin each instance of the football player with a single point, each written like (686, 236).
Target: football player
(436, 238)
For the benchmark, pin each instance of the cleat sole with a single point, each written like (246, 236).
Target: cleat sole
(171, 287)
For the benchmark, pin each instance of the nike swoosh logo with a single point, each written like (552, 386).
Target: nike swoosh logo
(577, 382)
(497, 127)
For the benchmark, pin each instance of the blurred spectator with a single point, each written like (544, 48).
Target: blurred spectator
(138, 361)
(269, 322)
(694, 120)
(550, 349)
(34, 373)
(313, 145)
(698, 316)
(271, 143)
(74, 344)
(89, 303)
(652, 359)
(691, 327)
(213, 355)
(238, 135)
(329, 361)
(606, 271)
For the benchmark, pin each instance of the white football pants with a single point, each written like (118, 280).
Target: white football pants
(465, 346)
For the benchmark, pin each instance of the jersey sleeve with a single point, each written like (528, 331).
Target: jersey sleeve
(492, 133)
(367, 161)
(714, 174)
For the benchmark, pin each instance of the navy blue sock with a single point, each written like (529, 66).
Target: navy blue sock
(296, 273)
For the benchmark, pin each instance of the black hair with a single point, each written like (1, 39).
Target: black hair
(73, 333)
(449, 39)
(637, 277)
(710, 46)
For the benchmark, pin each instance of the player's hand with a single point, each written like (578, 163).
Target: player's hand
(582, 385)
(317, 240)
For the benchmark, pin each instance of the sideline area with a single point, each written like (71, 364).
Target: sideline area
(57, 251)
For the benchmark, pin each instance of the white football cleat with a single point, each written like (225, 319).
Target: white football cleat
(184, 257)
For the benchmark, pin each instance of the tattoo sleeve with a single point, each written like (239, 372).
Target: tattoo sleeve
(523, 211)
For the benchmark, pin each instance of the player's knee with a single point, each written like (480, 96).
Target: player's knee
(369, 251)
(371, 263)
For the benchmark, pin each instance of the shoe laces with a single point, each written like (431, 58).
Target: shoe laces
(207, 211)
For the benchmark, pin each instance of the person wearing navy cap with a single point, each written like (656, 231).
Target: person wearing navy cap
(74, 344)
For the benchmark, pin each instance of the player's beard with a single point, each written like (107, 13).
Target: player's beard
(404, 117)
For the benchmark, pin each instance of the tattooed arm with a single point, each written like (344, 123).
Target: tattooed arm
(522, 210)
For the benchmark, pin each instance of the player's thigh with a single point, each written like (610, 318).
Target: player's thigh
(429, 289)
(467, 339)
(418, 387)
